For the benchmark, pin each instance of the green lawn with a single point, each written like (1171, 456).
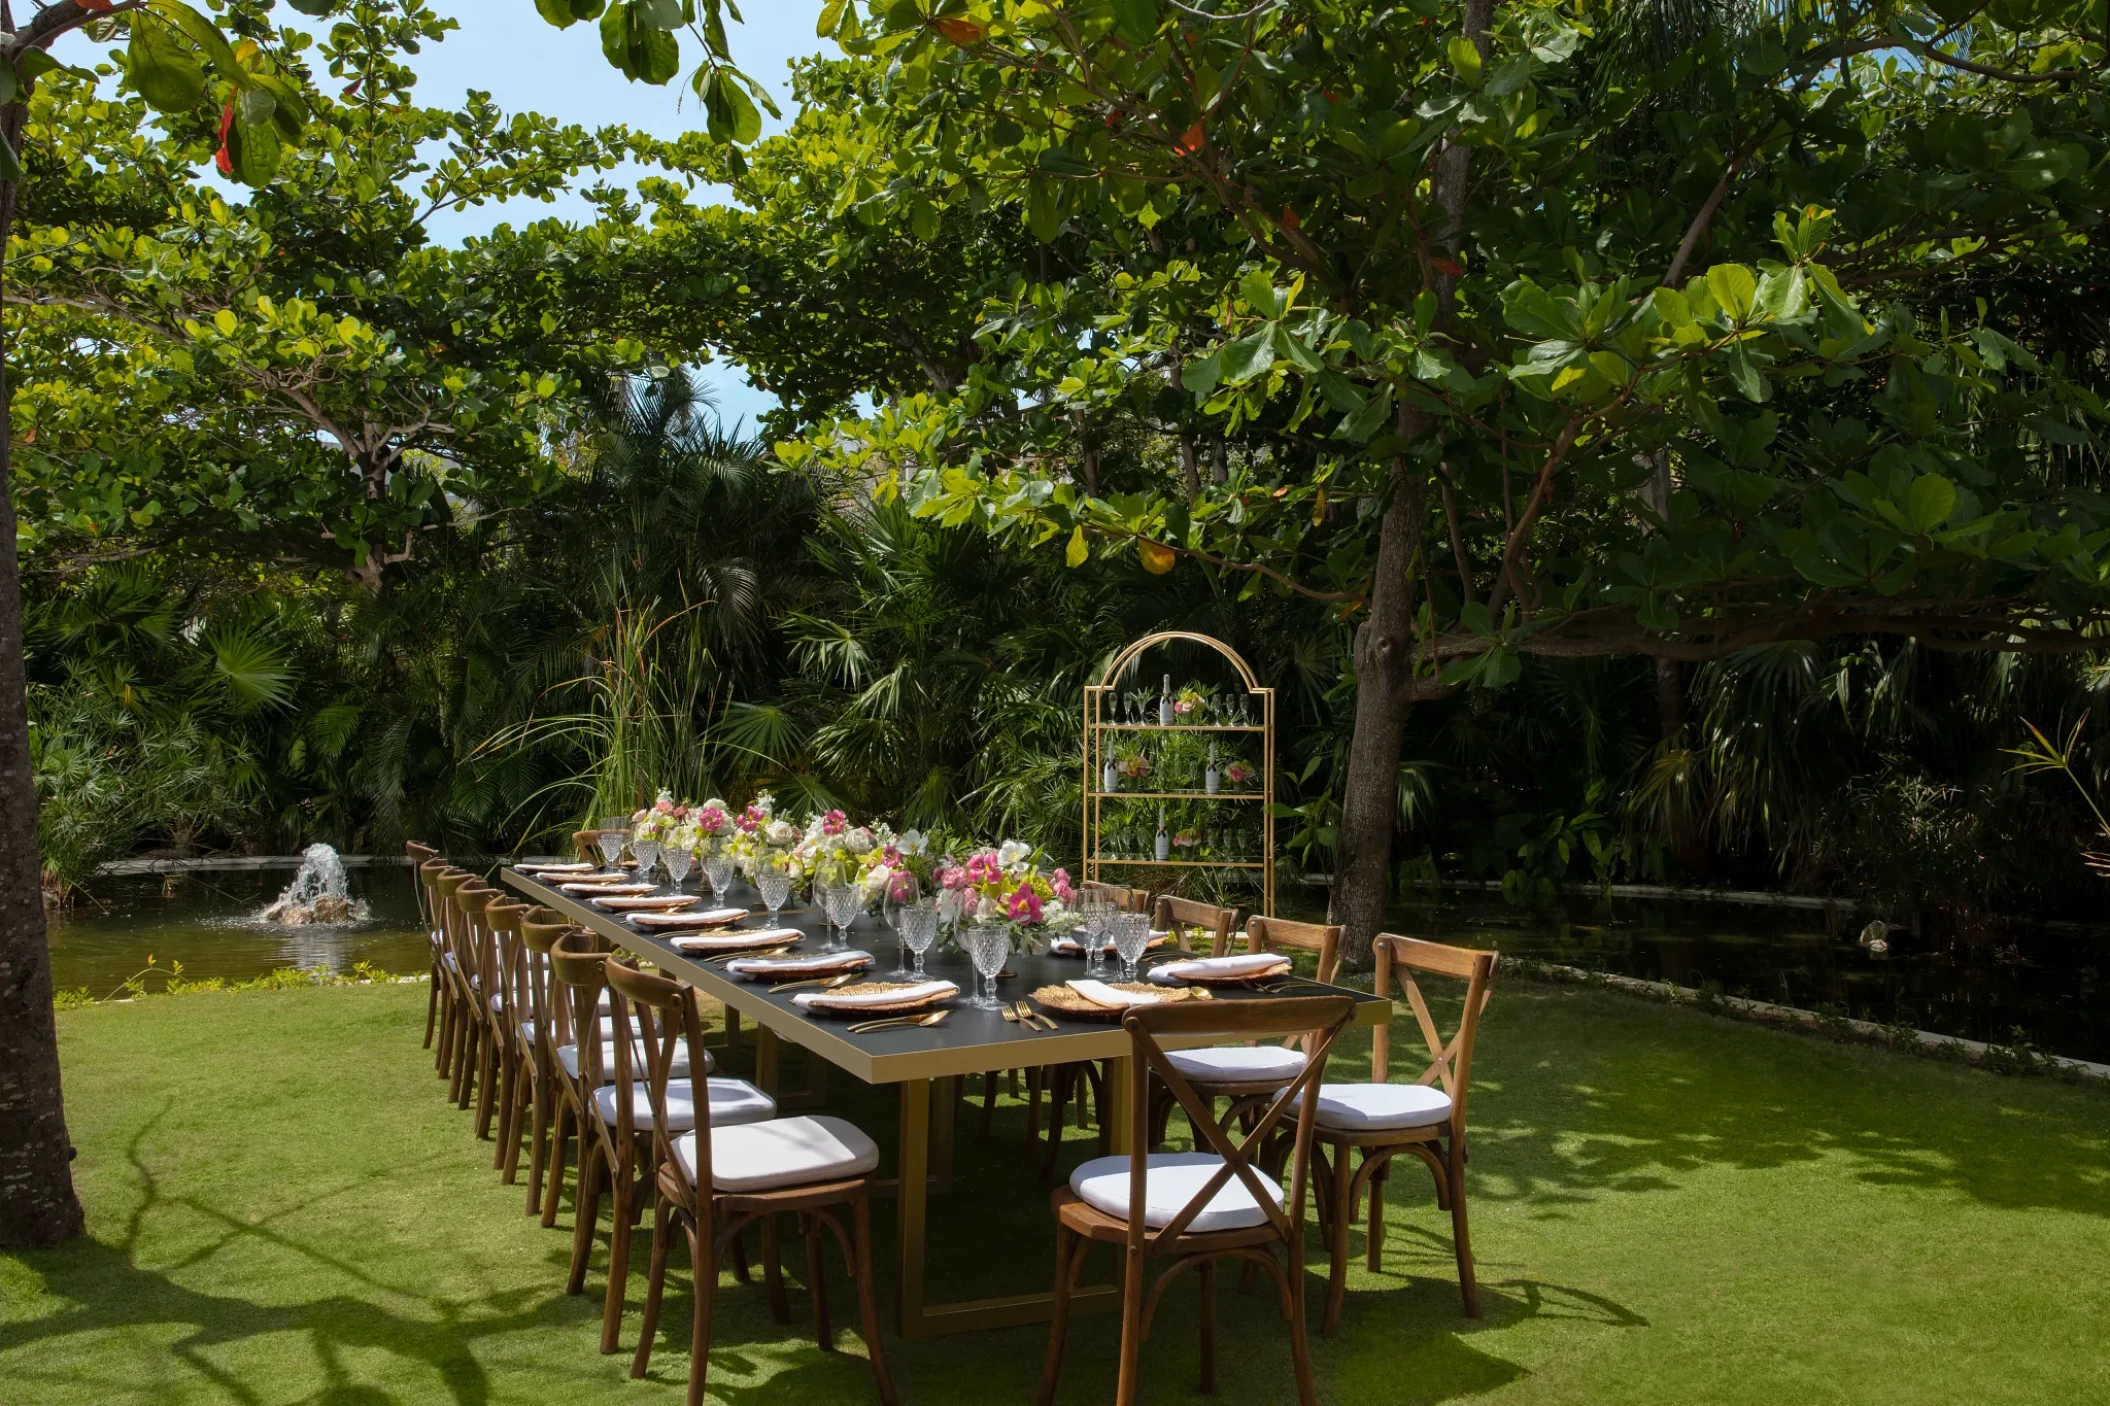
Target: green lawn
(1669, 1207)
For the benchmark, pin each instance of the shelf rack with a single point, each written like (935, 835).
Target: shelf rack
(1097, 727)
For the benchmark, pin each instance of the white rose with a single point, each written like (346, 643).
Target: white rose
(781, 832)
(859, 841)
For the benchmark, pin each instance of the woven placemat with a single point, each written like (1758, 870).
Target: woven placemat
(877, 1008)
(1063, 1001)
(1273, 973)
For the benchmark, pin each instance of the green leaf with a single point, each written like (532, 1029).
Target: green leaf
(10, 86)
(659, 14)
(205, 34)
(1734, 287)
(255, 153)
(1465, 58)
(10, 164)
(1929, 502)
(315, 9)
(1250, 356)
(1257, 291)
(254, 106)
(639, 51)
(163, 66)
(1200, 377)
(1043, 210)
(1136, 19)
(1079, 551)
(1744, 375)
(831, 18)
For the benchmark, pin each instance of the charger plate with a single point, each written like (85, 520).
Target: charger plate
(1065, 1002)
(657, 903)
(1246, 978)
(825, 1004)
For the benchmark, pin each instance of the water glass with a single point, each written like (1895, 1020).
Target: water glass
(1099, 911)
(919, 929)
(988, 945)
(1131, 933)
(678, 862)
(647, 852)
(718, 873)
(844, 902)
(775, 885)
(611, 839)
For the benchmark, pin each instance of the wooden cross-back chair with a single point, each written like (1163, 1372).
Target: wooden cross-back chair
(1149, 1204)
(480, 956)
(1426, 1119)
(419, 856)
(454, 889)
(1182, 916)
(545, 1024)
(588, 844)
(710, 1180)
(1249, 1075)
(501, 951)
(1128, 900)
(428, 877)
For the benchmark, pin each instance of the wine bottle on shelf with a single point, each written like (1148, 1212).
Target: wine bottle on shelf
(1165, 706)
(1110, 776)
(1164, 840)
(1212, 778)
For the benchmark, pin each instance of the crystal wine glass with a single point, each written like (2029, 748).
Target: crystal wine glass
(718, 873)
(988, 944)
(845, 902)
(901, 891)
(647, 852)
(1131, 937)
(775, 885)
(678, 861)
(919, 928)
(1097, 909)
(610, 837)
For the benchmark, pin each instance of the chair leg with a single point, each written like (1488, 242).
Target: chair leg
(487, 1082)
(1341, 1216)
(585, 1211)
(1068, 1247)
(773, 1270)
(624, 1218)
(508, 1123)
(1374, 1241)
(1468, 1282)
(443, 1052)
(655, 1282)
(1059, 1082)
(988, 1107)
(1299, 1344)
(466, 1058)
(538, 1142)
(1033, 1092)
(867, 1301)
(1127, 1389)
(705, 1263)
(739, 1247)
(1205, 1274)
(432, 1003)
(559, 1149)
(816, 1284)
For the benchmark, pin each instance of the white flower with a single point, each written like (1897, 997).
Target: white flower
(781, 832)
(716, 804)
(989, 910)
(912, 843)
(1012, 853)
(859, 841)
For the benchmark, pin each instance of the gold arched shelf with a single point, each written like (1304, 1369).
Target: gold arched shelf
(1107, 857)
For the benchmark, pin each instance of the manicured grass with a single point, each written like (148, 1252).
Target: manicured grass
(1668, 1207)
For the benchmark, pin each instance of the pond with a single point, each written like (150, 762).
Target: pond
(2047, 984)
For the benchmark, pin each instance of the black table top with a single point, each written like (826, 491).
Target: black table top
(970, 1040)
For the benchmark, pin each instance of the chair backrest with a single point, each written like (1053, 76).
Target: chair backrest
(428, 875)
(1284, 934)
(1127, 900)
(1180, 914)
(586, 842)
(552, 1017)
(470, 938)
(578, 965)
(1451, 1063)
(1315, 1020)
(420, 855)
(446, 911)
(502, 959)
(666, 1018)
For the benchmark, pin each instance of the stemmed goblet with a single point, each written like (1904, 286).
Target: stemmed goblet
(613, 833)
(988, 944)
(647, 852)
(718, 873)
(919, 928)
(1131, 933)
(775, 885)
(678, 861)
(844, 902)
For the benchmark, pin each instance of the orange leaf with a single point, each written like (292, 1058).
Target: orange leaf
(99, 7)
(958, 31)
(1191, 140)
(1291, 219)
(1157, 558)
(1450, 267)
(222, 158)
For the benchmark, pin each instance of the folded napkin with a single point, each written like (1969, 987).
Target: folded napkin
(734, 941)
(709, 918)
(554, 868)
(923, 991)
(1100, 994)
(583, 889)
(661, 902)
(798, 966)
(1071, 944)
(1244, 964)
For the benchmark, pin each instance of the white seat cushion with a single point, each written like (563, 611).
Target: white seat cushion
(1369, 1108)
(568, 1057)
(782, 1152)
(1172, 1180)
(733, 1102)
(527, 1030)
(1239, 1064)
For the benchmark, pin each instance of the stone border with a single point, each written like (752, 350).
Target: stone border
(2000, 1059)
(237, 862)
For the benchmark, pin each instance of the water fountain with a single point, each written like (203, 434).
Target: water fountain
(316, 895)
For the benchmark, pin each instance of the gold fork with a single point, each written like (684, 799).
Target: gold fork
(1027, 1015)
(866, 1027)
(827, 983)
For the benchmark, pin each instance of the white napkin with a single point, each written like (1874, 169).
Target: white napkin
(710, 918)
(734, 941)
(662, 903)
(1244, 964)
(554, 868)
(1100, 994)
(583, 889)
(793, 966)
(903, 996)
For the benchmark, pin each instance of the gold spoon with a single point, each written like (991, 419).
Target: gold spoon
(905, 1021)
(826, 983)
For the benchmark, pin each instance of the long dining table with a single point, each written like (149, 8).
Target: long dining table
(916, 1059)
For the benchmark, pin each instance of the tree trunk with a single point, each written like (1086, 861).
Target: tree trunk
(1384, 669)
(37, 1204)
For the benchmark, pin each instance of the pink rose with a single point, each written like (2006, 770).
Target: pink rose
(954, 878)
(1060, 882)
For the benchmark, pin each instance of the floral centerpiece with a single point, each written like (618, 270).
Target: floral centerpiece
(655, 821)
(1005, 886)
(760, 839)
(1238, 772)
(887, 871)
(837, 851)
(709, 826)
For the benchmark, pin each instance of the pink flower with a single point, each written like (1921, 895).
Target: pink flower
(891, 857)
(984, 868)
(1024, 905)
(954, 878)
(899, 887)
(711, 819)
(750, 821)
(1183, 707)
(664, 806)
(834, 823)
(1060, 882)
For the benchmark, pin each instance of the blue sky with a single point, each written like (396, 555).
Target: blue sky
(504, 48)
